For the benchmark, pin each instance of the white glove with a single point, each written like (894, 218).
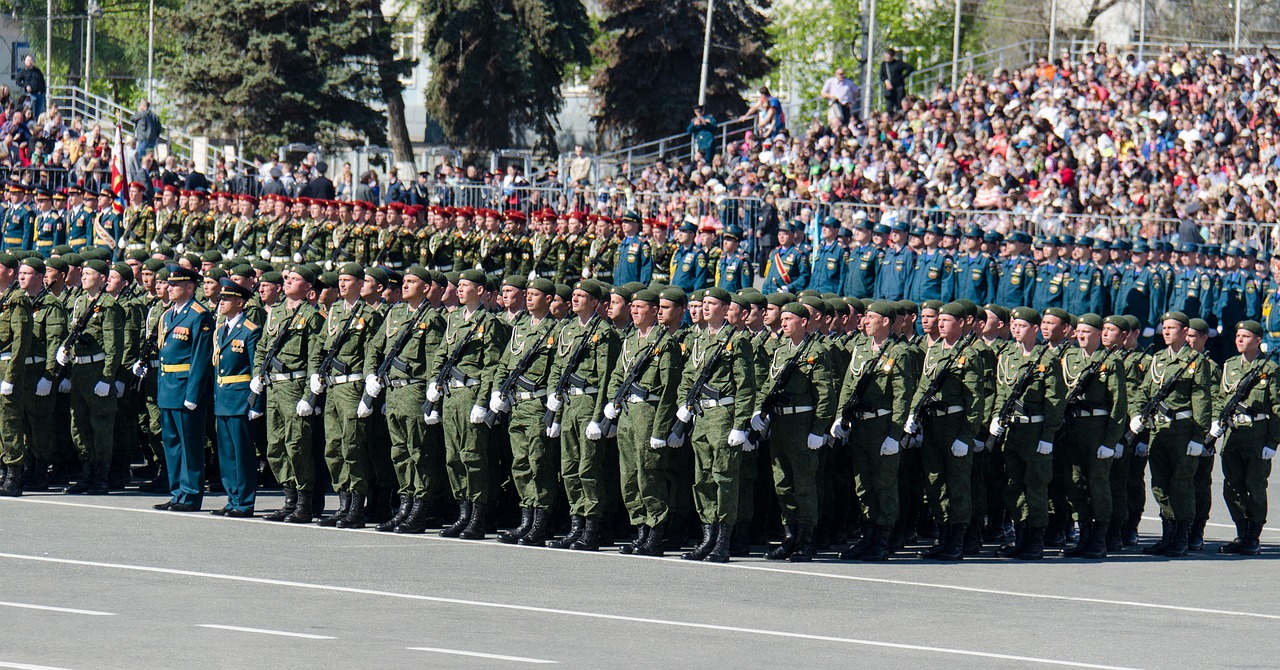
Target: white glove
(364, 410)
(433, 392)
(611, 411)
(255, 385)
(304, 408)
(265, 255)
(6, 388)
(737, 438)
(64, 356)
(189, 405)
(1216, 429)
(554, 403)
(120, 244)
(155, 246)
(1148, 331)
(553, 430)
(254, 415)
(593, 431)
(181, 248)
(64, 386)
(478, 414)
(684, 414)
(979, 446)
(371, 386)
(838, 430)
(497, 403)
(889, 447)
(1136, 425)
(317, 384)
(1119, 450)
(1213, 332)
(44, 387)
(758, 423)
(996, 429)
(1044, 448)
(674, 441)
(960, 448)
(1105, 452)
(101, 389)
(912, 426)
(1268, 453)
(1141, 450)
(138, 368)
(119, 389)
(433, 418)
(815, 441)
(1195, 449)
(297, 258)
(655, 443)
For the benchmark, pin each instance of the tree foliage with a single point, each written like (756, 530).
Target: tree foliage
(498, 67)
(652, 59)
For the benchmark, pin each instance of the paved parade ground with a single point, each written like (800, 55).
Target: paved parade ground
(105, 583)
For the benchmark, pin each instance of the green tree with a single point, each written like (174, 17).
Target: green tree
(652, 58)
(498, 67)
(266, 73)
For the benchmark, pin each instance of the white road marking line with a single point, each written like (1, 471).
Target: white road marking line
(552, 610)
(1217, 525)
(27, 666)
(68, 610)
(476, 654)
(699, 565)
(264, 631)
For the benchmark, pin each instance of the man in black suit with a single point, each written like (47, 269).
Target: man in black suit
(319, 187)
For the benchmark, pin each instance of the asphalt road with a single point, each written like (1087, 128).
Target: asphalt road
(104, 583)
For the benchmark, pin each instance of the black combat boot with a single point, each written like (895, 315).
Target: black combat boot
(476, 526)
(859, 549)
(741, 543)
(513, 536)
(378, 507)
(302, 512)
(290, 502)
(805, 548)
(1195, 538)
(1252, 545)
(1130, 535)
(344, 506)
(704, 547)
(954, 550)
(1234, 546)
(642, 534)
(576, 523)
(783, 551)
(653, 542)
(537, 533)
(1019, 542)
(939, 544)
(1086, 528)
(1166, 536)
(355, 516)
(1114, 539)
(1098, 541)
(590, 538)
(86, 480)
(402, 512)
(880, 546)
(12, 485)
(98, 480)
(1055, 534)
(459, 525)
(1178, 543)
(36, 476)
(415, 521)
(1034, 548)
(973, 540)
(720, 552)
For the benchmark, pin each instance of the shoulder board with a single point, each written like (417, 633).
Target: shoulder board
(198, 308)
(250, 325)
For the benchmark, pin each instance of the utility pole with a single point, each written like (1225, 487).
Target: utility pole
(955, 49)
(706, 54)
(870, 62)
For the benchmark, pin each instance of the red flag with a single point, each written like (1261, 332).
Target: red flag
(118, 179)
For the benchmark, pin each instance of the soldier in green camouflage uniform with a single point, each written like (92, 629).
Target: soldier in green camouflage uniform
(125, 430)
(48, 330)
(93, 360)
(15, 346)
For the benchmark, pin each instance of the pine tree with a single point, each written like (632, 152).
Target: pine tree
(652, 55)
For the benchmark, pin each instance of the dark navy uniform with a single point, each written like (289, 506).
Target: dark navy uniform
(932, 278)
(734, 272)
(787, 270)
(1051, 278)
(635, 261)
(893, 280)
(689, 268)
(186, 347)
(975, 278)
(860, 271)
(1017, 280)
(828, 268)
(1086, 290)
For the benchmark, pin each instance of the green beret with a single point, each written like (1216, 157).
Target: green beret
(1092, 320)
(808, 293)
(419, 272)
(74, 260)
(674, 294)
(162, 274)
(779, 299)
(59, 263)
(634, 286)
(308, 275)
(837, 306)
(1000, 311)
(906, 307)
(438, 277)
(135, 255)
(34, 263)
(517, 281)
(124, 269)
(1118, 320)
(1134, 323)
(491, 283)
(272, 277)
(1025, 314)
(644, 295)
(542, 285)
(216, 274)
(66, 249)
(697, 295)
(934, 305)
(212, 256)
(595, 289)
(740, 301)
(1198, 325)
(1176, 316)
(243, 271)
(953, 309)
(797, 309)
(625, 291)
(829, 295)
(453, 277)
(1251, 326)
(718, 293)
(262, 266)
(564, 292)
(377, 274)
(150, 265)
(325, 280)
(856, 305)
(8, 261)
(351, 270)
(755, 298)
(95, 265)
(474, 276)
(1058, 313)
(883, 308)
(816, 303)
